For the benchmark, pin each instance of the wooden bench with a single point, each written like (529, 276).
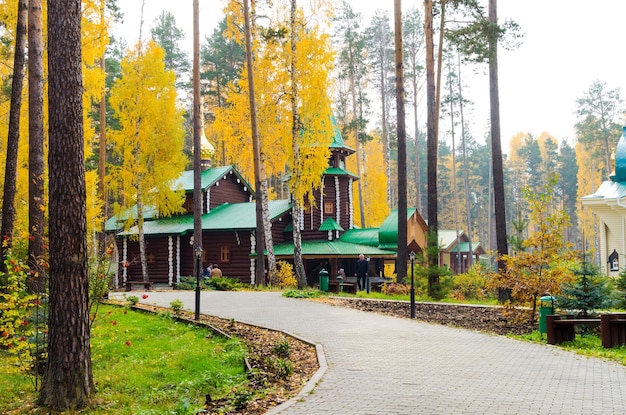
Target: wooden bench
(561, 330)
(336, 286)
(147, 285)
(613, 329)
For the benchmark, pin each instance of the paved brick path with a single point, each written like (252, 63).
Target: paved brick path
(386, 365)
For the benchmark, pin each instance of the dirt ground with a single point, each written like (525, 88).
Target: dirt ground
(261, 344)
(496, 320)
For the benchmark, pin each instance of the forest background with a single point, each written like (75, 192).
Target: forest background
(533, 153)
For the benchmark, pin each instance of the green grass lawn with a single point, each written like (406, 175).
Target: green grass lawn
(142, 364)
(584, 344)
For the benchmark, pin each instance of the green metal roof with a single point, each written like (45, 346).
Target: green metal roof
(175, 225)
(464, 247)
(208, 177)
(367, 236)
(236, 216)
(336, 171)
(336, 248)
(329, 224)
(116, 222)
(388, 234)
(240, 215)
(447, 238)
(337, 138)
(608, 190)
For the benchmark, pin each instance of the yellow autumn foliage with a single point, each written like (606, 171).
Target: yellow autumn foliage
(374, 183)
(272, 58)
(149, 143)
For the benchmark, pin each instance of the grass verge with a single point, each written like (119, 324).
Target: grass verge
(142, 364)
(584, 344)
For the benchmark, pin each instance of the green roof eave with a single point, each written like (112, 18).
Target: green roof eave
(236, 216)
(329, 224)
(208, 178)
(336, 248)
(388, 235)
(336, 171)
(175, 225)
(367, 236)
(117, 222)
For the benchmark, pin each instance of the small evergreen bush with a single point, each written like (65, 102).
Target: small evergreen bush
(224, 283)
(587, 294)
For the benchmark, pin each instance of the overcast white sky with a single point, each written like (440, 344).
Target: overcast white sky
(567, 45)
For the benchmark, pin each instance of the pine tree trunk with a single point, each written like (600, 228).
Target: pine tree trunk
(496, 150)
(432, 147)
(465, 169)
(10, 168)
(454, 186)
(402, 174)
(68, 380)
(418, 184)
(36, 170)
(431, 140)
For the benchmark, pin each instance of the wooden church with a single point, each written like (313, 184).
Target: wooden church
(330, 239)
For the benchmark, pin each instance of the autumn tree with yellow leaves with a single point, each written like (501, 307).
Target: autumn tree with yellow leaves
(292, 68)
(150, 140)
(546, 259)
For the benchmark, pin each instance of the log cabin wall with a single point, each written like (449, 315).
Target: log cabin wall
(345, 190)
(278, 229)
(230, 250)
(228, 189)
(313, 218)
(157, 255)
(326, 205)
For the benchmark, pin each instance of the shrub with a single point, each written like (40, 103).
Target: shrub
(23, 321)
(177, 306)
(302, 293)
(396, 289)
(282, 349)
(279, 367)
(188, 283)
(285, 277)
(132, 300)
(588, 294)
(471, 285)
(224, 283)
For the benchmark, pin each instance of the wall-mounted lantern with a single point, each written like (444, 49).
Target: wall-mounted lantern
(614, 261)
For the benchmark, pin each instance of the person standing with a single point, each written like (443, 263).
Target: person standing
(362, 266)
(216, 272)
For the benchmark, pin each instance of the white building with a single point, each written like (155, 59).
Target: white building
(609, 204)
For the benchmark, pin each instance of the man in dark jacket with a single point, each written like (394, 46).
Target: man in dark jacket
(362, 267)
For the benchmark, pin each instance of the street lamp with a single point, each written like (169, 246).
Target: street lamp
(198, 274)
(412, 257)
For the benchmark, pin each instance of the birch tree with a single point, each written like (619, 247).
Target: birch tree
(149, 142)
